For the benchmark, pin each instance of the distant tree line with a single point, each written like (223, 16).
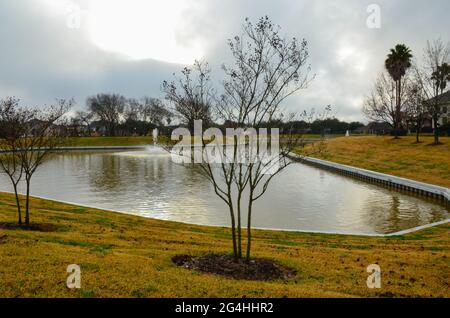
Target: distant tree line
(116, 115)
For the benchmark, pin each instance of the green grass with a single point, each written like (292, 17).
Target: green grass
(109, 141)
(133, 258)
(130, 141)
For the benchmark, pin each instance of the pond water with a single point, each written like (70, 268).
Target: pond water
(149, 184)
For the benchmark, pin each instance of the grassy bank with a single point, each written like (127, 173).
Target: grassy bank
(402, 157)
(109, 141)
(134, 141)
(128, 256)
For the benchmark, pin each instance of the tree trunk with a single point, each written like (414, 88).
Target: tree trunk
(249, 227)
(418, 132)
(239, 234)
(19, 211)
(436, 117)
(397, 108)
(419, 123)
(233, 230)
(436, 131)
(27, 205)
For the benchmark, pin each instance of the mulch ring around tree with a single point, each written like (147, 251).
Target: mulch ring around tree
(34, 227)
(225, 265)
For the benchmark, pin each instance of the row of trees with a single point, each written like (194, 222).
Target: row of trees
(118, 115)
(409, 91)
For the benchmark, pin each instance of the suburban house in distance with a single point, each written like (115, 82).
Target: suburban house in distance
(444, 104)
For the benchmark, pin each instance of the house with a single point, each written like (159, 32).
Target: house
(374, 128)
(444, 108)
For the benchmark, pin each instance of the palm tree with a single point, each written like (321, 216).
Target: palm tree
(397, 62)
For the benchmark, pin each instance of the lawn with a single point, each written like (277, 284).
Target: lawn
(400, 157)
(109, 141)
(129, 256)
(132, 141)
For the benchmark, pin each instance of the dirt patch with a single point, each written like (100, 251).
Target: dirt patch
(34, 227)
(225, 265)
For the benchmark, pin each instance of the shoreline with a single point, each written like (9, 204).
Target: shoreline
(123, 255)
(387, 180)
(393, 234)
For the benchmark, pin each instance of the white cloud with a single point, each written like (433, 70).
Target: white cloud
(42, 59)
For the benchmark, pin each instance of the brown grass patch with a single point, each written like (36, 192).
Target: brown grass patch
(34, 227)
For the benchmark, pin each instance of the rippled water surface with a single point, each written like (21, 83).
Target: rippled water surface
(147, 183)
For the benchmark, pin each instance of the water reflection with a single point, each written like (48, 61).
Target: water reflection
(147, 183)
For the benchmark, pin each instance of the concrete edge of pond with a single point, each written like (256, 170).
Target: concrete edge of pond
(425, 189)
(398, 233)
(93, 148)
(90, 148)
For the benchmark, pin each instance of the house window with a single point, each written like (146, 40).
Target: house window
(445, 120)
(444, 109)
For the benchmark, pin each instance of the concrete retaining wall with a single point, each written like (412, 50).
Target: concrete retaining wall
(105, 148)
(421, 188)
(93, 148)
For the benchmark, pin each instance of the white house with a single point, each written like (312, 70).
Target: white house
(444, 105)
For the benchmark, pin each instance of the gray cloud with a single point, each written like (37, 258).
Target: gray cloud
(41, 59)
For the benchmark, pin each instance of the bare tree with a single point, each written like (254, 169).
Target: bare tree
(135, 110)
(432, 77)
(42, 136)
(85, 118)
(156, 111)
(416, 107)
(13, 121)
(108, 108)
(191, 94)
(30, 136)
(267, 69)
(382, 103)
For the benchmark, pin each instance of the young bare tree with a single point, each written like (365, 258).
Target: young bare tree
(267, 69)
(13, 120)
(108, 108)
(41, 137)
(382, 104)
(191, 94)
(416, 107)
(30, 136)
(432, 77)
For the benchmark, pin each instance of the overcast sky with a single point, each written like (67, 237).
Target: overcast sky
(49, 50)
